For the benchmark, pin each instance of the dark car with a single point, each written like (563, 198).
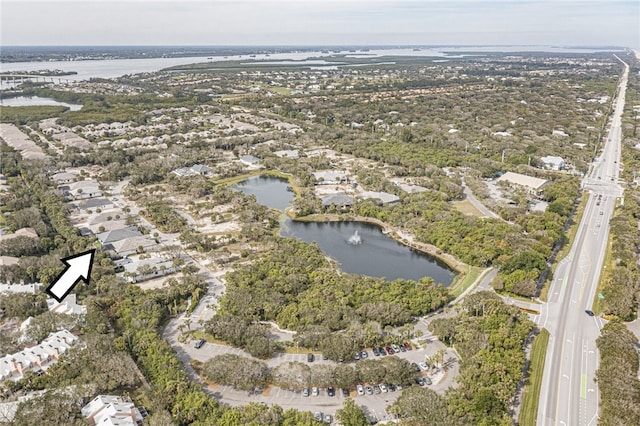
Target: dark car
(402, 348)
(310, 357)
(382, 351)
(331, 391)
(415, 367)
(198, 343)
(392, 388)
(590, 313)
(376, 352)
(389, 350)
(345, 392)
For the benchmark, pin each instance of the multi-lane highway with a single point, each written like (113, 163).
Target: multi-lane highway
(569, 395)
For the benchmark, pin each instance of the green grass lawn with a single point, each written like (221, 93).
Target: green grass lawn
(529, 409)
(465, 280)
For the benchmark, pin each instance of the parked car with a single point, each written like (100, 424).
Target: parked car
(415, 367)
(357, 356)
(318, 416)
(198, 343)
(360, 390)
(407, 346)
(331, 391)
(375, 351)
(364, 355)
(345, 392)
(328, 419)
(389, 350)
(382, 351)
(315, 391)
(325, 357)
(395, 348)
(383, 387)
(426, 380)
(392, 388)
(402, 348)
(419, 381)
(368, 389)
(310, 357)
(305, 392)
(423, 365)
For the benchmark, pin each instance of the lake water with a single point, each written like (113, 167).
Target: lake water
(269, 190)
(377, 255)
(36, 100)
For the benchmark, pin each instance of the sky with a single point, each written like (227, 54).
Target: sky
(321, 22)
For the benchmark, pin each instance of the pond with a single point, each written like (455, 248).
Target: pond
(35, 100)
(269, 190)
(358, 247)
(362, 248)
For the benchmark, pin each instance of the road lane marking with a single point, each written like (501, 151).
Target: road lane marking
(583, 386)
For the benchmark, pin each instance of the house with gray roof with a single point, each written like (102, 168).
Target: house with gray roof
(380, 197)
(133, 245)
(63, 177)
(95, 203)
(340, 201)
(249, 160)
(118, 234)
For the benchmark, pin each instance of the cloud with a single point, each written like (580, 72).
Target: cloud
(51, 22)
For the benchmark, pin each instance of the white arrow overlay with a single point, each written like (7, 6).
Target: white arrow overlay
(78, 268)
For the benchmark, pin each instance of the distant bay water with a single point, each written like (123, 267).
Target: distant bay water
(112, 68)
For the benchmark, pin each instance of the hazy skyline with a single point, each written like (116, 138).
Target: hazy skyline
(217, 22)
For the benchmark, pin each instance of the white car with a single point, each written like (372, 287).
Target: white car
(383, 388)
(360, 389)
(423, 365)
(315, 391)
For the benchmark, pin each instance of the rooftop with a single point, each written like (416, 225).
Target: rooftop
(523, 180)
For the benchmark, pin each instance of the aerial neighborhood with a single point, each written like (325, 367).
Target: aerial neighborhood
(358, 237)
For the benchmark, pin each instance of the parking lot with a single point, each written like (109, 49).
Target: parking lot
(374, 405)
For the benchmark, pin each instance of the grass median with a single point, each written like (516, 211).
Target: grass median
(529, 409)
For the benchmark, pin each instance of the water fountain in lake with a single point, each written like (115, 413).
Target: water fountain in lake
(355, 239)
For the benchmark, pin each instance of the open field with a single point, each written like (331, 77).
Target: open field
(529, 409)
(466, 207)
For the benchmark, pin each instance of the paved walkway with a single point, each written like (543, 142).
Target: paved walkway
(477, 204)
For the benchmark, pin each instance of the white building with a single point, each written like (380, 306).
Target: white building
(68, 306)
(533, 184)
(37, 358)
(553, 163)
(146, 269)
(111, 410)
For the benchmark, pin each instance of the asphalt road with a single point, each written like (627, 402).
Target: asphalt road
(569, 395)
